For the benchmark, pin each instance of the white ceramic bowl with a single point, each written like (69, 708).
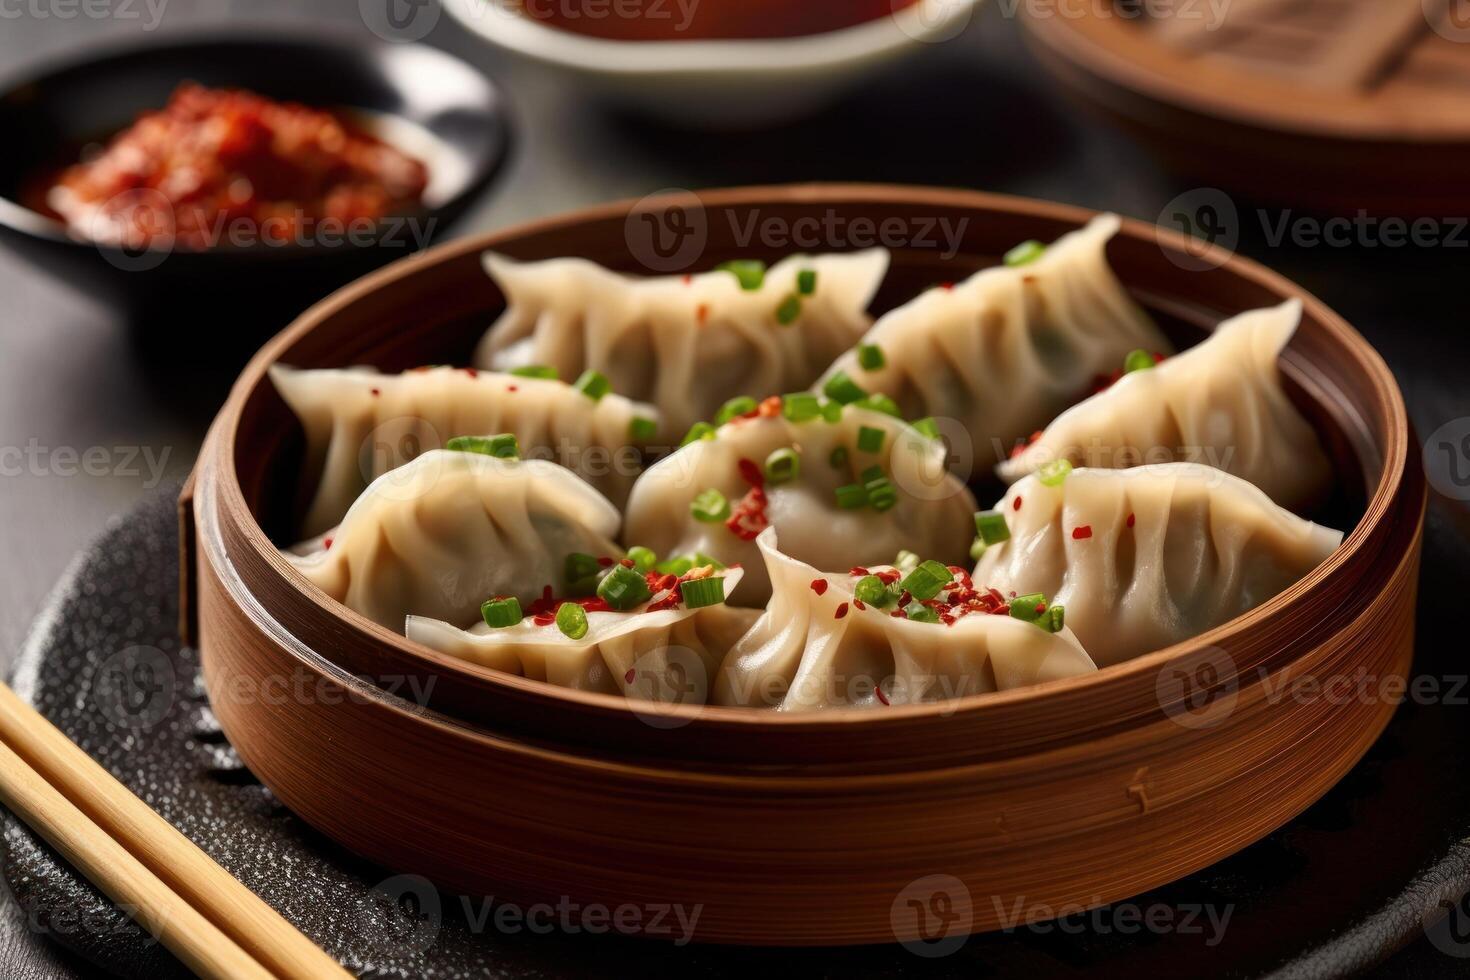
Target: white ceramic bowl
(720, 83)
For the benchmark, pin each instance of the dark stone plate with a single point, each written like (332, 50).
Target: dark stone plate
(1334, 892)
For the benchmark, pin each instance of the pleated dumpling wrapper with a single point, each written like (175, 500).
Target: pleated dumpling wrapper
(1146, 557)
(689, 343)
(818, 645)
(361, 424)
(999, 355)
(1220, 403)
(446, 532)
(847, 487)
(662, 650)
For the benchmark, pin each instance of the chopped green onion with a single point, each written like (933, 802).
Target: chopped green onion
(1137, 360)
(871, 590)
(1028, 607)
(782, 466)
(1057, 618)
(832, 411)
(503, 446)
(977, 548)
(674, 566)
(579, 566)
(641, 429)
(852, 496)
(919, 613)
(800, 406)
(740, 405)
(571, 619)
(593, 384)
(806, 282)
(697, 431)
(541, 371)
(703, 592)
(623, 588)
(871, 473)
(991, 526)
(870, 357)
(1054, 472)
(701, 560)
(710, 506)
(789, 310)
(1025, 253)
(925, 581)
(842, 389)
(870, 440)
(500, 613)
(881, 494)
(751, 273)
(906, 561)
(927, 427)
(881, 403)
(643, 558)
(837, 458)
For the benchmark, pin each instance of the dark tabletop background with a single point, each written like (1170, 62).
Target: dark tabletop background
(976, 112)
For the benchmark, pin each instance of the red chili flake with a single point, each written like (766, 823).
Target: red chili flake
(605, 561)
(858, 603)
(1040, 608)
(594, 604)
(688, 278)
(878, 689)
(888, 576)
(1016, 504)
(751, 473)
(819, 586)
(544, 619)
(905, 599)
(667, 602)
(626, 562)
(946, 285)
(841, 611)
(899, 614)
(946, 619)
(1131, 520)
(1082, 533)
(376, 392)
(472, 372)
(326, 544)
(702, 313)
(512, 389)
(962, 575)
(1160, 358)
(769, 408)
(628, 677)
(666, 582)
(858, 571)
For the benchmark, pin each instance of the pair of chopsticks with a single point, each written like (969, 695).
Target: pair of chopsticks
(216, 926)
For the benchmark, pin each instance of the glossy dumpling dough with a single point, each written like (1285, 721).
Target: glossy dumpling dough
(1146, 557)
(816, 649)
(449, 530)
(361, 424)
(668, 655)
(1220, 403)
(685, 343)
(1005, 351)
(933, 515)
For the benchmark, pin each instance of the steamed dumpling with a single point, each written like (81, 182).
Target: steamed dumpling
(360, 424)
(817, 646)
(668, 654)
(449, 530)
(927, 511)
(1146, 557)
(685, 343)
(1220, 403)
(1005, 351)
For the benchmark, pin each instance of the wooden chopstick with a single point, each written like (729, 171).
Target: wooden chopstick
(196, 941)
(211, 896)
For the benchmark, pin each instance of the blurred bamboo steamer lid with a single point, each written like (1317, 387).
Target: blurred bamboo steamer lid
(1338, 105)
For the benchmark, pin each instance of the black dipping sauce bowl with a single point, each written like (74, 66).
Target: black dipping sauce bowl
(419, 99)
